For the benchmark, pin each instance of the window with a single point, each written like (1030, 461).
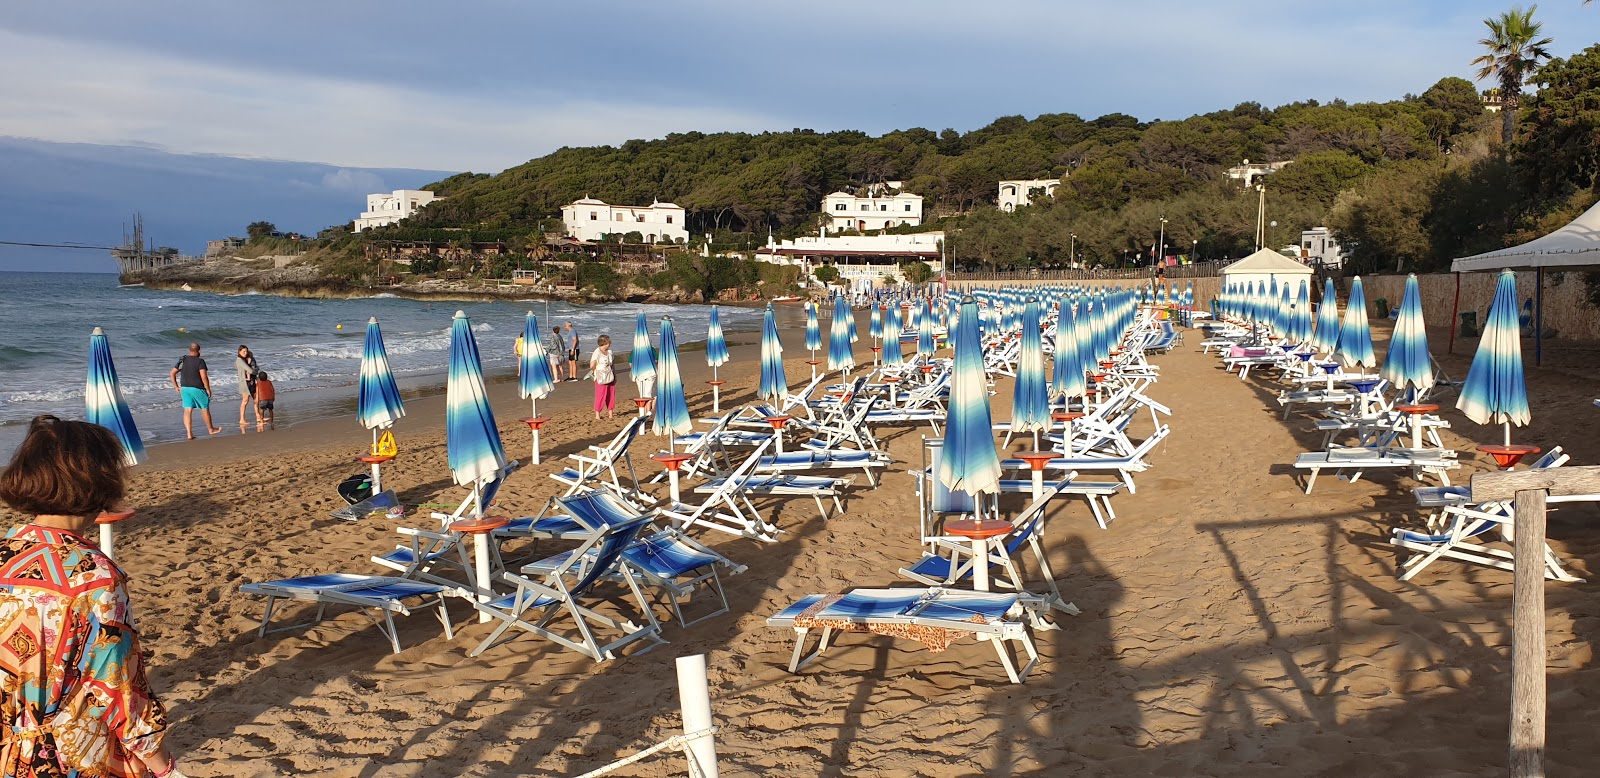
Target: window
(866, 207)
(908, 206)
(839, 206)
(669, 219)
(1010, 190)
(593, 216)
(619, 217)
(639, 218)
(883, 207)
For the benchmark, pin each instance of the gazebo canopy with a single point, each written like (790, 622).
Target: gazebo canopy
(1263, 266)
(1573, 247)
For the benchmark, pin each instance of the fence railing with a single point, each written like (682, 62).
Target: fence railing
(1210, 269)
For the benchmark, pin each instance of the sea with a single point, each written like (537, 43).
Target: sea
(310, 348)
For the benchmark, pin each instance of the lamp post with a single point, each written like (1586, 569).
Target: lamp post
(1261, 214)
(1072, 251)
(1194, 254)
(1163, 241)
(1272, 225)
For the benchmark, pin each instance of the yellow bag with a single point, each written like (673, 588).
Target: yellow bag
(385, 447)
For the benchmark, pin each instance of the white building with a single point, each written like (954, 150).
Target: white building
(590, 219)
(1250, 171)
(884, 206)
(1317, 247)
(1015, 194)
(862, 260)
(386, 209)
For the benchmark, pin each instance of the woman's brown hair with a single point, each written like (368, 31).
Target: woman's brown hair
(64, 468)
(605, 340)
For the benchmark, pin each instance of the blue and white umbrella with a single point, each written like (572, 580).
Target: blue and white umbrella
(813, 330)
(892, 354)
(378, 403)
(1069, 379)
(716, 356)
(1326, 339)
(672, 408)
(641, 360)
(472, 441)
(1495, 392)
(1355, 336)
(1030, 401)
(774, 384)
(103, 403)
(840, 356)
(1408, 362)
(925, 345)
(970, 462)
(875, 323)
(534, 380)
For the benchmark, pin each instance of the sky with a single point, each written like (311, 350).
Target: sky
(487, 84)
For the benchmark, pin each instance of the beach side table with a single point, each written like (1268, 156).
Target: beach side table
(376, 461)
(480, 530)
(1330, 368)
(534, 423)
(777, 421)
(1416, 411)
(672, 462)
(1036, 461)
(813, 363)
(979, 531)
(1507, 457)
(1066, 418)
(106, 519)
(893, 381)
(1364, 387)
(642, 403)
(876, 354)
(716, 397)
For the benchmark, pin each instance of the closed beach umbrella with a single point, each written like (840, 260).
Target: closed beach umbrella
(813, 331)
(1069, 380)
(1300, 329)
(1355, 337)
(1408, 362)
(1326, 339)
(840, 355)
(1030, 402)
(774, 384)
(1494, 392)
(875, 323)
(535, 381)
(378, 404)
(850, 323)
(103, 403)
(472, 441)
(925, 334)
(672, 408)
(970, 463)
(891, 336)
(641, 361)
(716, 344)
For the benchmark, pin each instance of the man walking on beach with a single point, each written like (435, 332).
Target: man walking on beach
(193, 383)
(571, 342)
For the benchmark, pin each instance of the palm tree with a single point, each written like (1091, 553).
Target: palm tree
(1514, 50)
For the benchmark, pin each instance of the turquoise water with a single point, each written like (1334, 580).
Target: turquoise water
(46, 318)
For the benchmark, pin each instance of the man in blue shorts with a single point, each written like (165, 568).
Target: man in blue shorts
(193, 383)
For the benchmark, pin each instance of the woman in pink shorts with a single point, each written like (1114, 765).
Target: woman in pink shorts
(605, 379)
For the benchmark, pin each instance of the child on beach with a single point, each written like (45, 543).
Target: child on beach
(605, 379)
(265, 397)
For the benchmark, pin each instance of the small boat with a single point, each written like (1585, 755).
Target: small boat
(139, 285)
(187, 288)
(788, 299)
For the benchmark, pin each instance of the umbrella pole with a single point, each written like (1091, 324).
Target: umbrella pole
(535, 414)
(716, 392)
(1507, 427)
(377, 473)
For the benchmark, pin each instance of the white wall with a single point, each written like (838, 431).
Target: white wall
(847, 212)
(384, 209)
(1014, 194)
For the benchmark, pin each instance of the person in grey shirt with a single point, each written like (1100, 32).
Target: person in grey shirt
(570, 341)
(245, 367)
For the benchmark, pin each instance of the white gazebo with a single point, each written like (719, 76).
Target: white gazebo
(1264, 266)
(1573, 247)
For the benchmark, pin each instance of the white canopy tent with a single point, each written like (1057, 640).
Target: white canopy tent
(1573, 247)
(1264, 266)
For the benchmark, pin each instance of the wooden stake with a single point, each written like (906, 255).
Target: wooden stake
(1527, 641)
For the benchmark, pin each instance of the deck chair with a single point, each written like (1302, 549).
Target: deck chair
(555, 596)
(935, 501)
(725, 507)
(1097, 494)
(592, 469)
(984, 615)
(677, 565)
(1123, 466)
(1436, 498)
(1360, 460)
(374, 595)
(827, 459)
(1466, 539)
(956, 563)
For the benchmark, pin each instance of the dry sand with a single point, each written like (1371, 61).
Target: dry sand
(1231, 625)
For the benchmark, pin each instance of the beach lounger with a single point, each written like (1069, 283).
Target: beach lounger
(1466, 539)
(781, 485)
(725, 508)
(831, 459)
(1097, 493)
(592, 469)
(937, 617)
(376, 596)
(555, 596)
(955, 564)
(1124, 466)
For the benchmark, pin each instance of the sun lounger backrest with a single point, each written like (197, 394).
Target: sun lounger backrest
(616, 540)
(599, 509)
(945, 500)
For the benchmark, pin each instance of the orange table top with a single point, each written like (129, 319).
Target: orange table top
(374, 459)
(478, 526)
(977, 529)
(813, 362)
(1521, 450)
(778, 421)
(1066, 415)
(1422, 408)
(926, 368)
(641, 401)
(672, 461)
(716, 383)
(893, 379)
(114, 516)
(877, 348)
(534, 421)
(1036, 459)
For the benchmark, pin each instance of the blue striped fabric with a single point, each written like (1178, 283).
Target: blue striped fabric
(535, 382)
(1030, 405)
(774, 384)
(1495, 392)
(672, 408)
(813, 330)
(1355, 337)
(970, 463)
(1407, 363)
(1326, 339)
(892, 354)
(472, 441)
(642, 360)
(840, 356)
(103, 403)
(716, 344)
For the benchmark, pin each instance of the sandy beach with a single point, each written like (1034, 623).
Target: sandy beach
(1231, 624)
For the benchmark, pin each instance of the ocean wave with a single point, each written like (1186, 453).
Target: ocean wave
(17, 356)
(201, 335)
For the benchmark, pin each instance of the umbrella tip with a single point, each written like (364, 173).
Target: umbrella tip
(98, 331)
(372, 320)
(461, 314)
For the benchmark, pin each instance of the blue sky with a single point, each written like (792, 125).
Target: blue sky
(485, 85)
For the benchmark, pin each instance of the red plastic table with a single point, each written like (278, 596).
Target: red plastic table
(1416, 411)
(1507, 457)
(535, 423)
(641, 402)
(105, 520)
(979, 531)
(672, 462)
(480, 528)
(1036, 461)
(777, 421)
(375, 460)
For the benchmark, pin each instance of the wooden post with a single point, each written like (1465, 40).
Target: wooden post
(1529, 490)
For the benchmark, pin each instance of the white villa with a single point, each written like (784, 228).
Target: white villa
(590, 219)
(862, 260)
(386, 209)
(1317, 247)
(1015, 194)
(883, 206)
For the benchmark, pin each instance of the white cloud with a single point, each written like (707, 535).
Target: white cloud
(68, 91)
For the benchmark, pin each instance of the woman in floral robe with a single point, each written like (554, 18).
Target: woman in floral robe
(74, 701)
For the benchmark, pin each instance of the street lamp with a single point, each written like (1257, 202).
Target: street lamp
(1194, 254)
(1261, 215)
(1072, 251)
(1273, 225)
(1162, 242)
